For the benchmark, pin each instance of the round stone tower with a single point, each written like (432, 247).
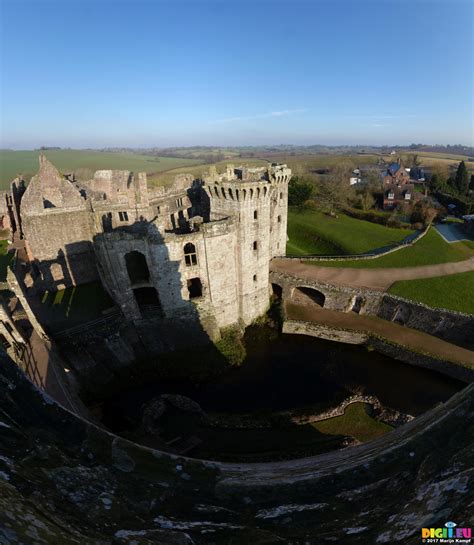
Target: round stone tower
(257, 198)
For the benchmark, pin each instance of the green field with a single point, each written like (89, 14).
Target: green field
(83, 162)
(430, 250)
(454, 292)
(166, 178)
(355, 422)
(315, 233)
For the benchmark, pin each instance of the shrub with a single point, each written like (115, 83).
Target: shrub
(231, 345)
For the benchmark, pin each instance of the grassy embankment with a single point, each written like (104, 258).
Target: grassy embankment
(432, 249)
(83, 162)
(355, 422)
(454, 292)
(314, 233)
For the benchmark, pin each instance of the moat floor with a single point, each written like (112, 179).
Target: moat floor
(410, 338)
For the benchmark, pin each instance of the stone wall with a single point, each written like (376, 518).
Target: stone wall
(396, 351)
(96, 487)
(342, 298)
(329, 333)
(452, 326)
(455, 327)
(235, 220)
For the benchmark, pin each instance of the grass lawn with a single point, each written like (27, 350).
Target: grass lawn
(5, 259)
(355, 422)
(454, 292)
(67, 308)
(314, 233)
(430, 250)
(84, 162)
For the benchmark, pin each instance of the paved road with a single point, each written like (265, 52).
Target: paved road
(401, 335)
(376, 279)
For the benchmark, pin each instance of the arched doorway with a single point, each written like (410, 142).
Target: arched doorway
(137, 267)
(307, 296)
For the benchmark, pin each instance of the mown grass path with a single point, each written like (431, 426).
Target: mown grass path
(376, 279)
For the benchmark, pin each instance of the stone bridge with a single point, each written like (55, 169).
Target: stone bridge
(301, 289)
(411, 332)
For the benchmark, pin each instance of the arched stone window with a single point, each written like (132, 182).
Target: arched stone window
(137, 267)
(190, 254)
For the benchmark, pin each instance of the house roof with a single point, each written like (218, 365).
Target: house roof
(393, 168)
(399, 190)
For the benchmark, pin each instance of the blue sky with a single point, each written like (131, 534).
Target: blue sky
(152, 73)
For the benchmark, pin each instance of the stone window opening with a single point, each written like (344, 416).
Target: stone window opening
(254, 277)
(190, 254)
(148, 297)
(255, 245)
(179, 202)
(255, 214)
(279, 219)
(137, 267)
(194, 288)
(158, 210)
(48, 204)
(123, 216)
(281, 195)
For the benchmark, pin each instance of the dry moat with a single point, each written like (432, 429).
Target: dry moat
(263, 409)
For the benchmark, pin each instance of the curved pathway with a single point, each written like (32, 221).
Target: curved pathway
(376, 279)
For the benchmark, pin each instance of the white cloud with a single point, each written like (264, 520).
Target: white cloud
(279, 113)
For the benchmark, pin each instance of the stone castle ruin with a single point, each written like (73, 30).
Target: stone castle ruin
(199, 246)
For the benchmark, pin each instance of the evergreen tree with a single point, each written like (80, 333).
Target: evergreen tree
(299, 192)
(461, 181)
(471, 185)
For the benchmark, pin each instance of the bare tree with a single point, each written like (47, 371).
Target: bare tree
(334, 191)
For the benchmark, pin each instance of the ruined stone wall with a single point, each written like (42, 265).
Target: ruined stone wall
(215, 267)
(449, 325)
(237, 224)
(388, 348)
(455, 327)
(61, 243)
(341, 298)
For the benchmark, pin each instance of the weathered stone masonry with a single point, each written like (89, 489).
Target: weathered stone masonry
(200, 248)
